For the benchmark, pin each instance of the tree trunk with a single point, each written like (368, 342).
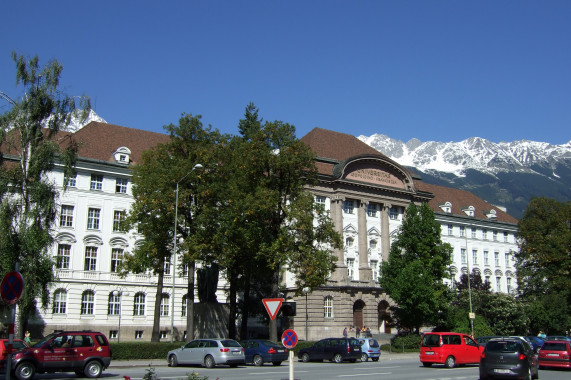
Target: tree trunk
(245, 308)
(233, 306)
(190, 303)
(156, 334)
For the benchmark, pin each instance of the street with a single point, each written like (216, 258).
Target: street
(400, 369)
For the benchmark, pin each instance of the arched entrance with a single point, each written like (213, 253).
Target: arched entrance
(358, 307)
(384, 317)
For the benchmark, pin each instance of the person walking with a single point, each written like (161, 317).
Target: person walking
(345, 332)
(27, 338)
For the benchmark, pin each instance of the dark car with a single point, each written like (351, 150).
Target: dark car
(555, 353)
(259, 351)
(87, 353)
(334, 349)
(508, 358)
(536, 342)
(482, 340)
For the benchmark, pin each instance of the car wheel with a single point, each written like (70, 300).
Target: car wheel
(93, 369)
(528, 374)
(209, 362)
(277, 363)
(338, 358)
(173, 361)
(25, 371)
(364, 357)
(450, 362)
(427, 364)
(258, 361)
(305, 357)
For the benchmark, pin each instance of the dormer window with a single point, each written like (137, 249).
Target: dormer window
(122, 155)
(491, 214)
(446, 207)
(470, 210)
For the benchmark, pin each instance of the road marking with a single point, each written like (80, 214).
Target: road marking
(272, 373)
(366, 374)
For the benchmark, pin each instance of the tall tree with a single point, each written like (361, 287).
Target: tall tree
(413, 275)
(32, 142)
(165, 169)
(263, 216)
(543, 262)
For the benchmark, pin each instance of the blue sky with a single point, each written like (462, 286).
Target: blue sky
(426, 69)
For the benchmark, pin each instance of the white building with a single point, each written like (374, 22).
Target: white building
(365, 192)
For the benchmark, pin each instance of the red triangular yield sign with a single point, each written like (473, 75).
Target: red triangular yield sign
(272, 306)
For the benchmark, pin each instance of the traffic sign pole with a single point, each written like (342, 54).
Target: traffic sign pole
(289, 340)
(291, 365)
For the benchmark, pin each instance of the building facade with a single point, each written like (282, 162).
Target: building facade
(365, 192)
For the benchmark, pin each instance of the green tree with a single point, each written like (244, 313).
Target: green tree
(32, 142)
(164, 169)
(504, 314)
(263, 216)
(413, 275)
(543, 262)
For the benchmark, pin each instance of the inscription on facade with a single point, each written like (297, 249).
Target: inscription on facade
(376, 176)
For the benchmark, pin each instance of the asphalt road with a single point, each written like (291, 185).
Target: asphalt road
(394, 367)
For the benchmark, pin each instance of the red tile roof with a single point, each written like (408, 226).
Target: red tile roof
(337, 146)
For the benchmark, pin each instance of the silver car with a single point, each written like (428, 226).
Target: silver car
(370, 349)
(208, 352)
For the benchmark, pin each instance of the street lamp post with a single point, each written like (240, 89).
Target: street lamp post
(305, 291)
(471, 315)
(119, 293)
(197, 166)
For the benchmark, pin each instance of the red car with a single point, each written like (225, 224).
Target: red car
(16, 345)
(450, 349)
(555, 353)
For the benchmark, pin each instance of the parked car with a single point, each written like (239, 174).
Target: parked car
(508, 357)
(558, 337)
(536, 342)
(482, 340)
(87, 353)
(17, 344)
(555, 353)
(449, 348)
(334, 349)
(208, 352)
(259, 351)
(370, 348)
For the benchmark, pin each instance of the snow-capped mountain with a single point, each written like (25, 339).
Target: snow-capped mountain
(76, 123)
(505, 173)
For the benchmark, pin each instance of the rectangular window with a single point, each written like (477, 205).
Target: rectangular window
(165, 305)
(167, 267)
(114, 304)
(463, 255)
(374, 264)
(372, 210)
(118, 218)
(486, 260)
(498, 284)
(495, 235)
(497, 258)
(121, 185)
(139, 334)
(63, 254)
(66, 216)
(348, 207)
(393, 213)
(509, 284)
(164, 334)
(96, 182)
(139, 305)
(116, 259)
(328, 307)
(60, 300)
(475, 257)
(473, 233)
(320, 200)
(90, 259)
(113, 334)
(507, 258)
(505, 237)
(462, 231)
(93, 216)
(350, 269)
(485, 234)
(72, 180)
(450, 229)
(87, 302)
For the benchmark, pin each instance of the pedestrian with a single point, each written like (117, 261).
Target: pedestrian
(345, 332)
(27, 338)
(542, 335)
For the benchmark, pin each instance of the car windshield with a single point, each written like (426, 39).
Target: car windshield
(503, 346)
(17, 344)
(43, 341)
(354, 342)
(373, 343)
(431, 340)
(230, 343)
(551, 346)
(268, 343)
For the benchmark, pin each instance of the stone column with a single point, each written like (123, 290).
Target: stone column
(385, 232)
(365, 272)
(340, 273)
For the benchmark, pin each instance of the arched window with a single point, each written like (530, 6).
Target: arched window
(60, 301)
(114, 304)
(87, 302)
(139, 304)
(328, 307)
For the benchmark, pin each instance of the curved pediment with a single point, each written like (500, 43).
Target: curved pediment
(376, 171)
(65, 237)
(92, 240)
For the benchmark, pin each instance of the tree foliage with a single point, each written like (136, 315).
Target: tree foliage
(413, 275)
(31, 145)
(543, 262)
